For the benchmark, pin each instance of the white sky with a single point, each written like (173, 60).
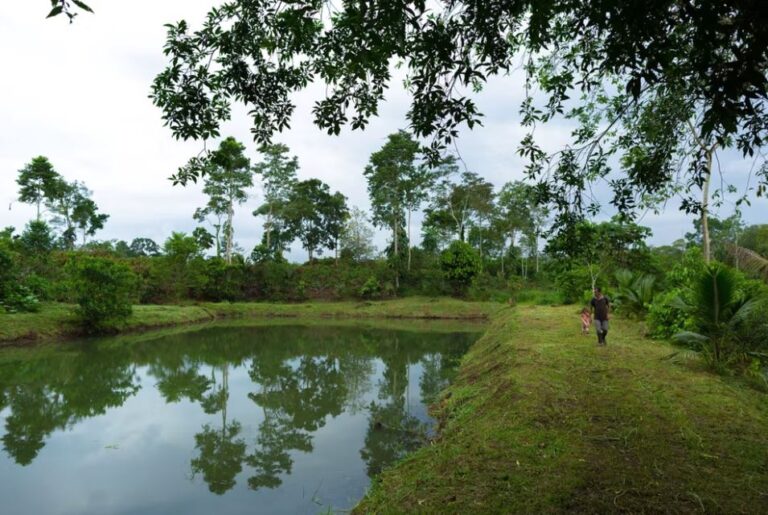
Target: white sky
(78, 94)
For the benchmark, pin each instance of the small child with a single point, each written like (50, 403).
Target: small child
(586, 321)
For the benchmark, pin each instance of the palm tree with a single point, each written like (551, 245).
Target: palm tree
(635, 292)
(717, 307)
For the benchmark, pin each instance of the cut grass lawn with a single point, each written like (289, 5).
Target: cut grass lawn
(58, 320)
(542, 420)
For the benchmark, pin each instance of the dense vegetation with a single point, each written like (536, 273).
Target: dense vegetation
(477, 242)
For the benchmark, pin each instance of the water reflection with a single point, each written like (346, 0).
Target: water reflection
(291, 384)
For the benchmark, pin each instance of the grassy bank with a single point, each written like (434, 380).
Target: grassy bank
(541, 420)
(58, 320)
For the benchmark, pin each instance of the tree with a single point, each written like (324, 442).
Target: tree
(86, 217)
(278, 175)
(73, 209)
(357, 236)
(228, 175)
(519, 213)
(396, 185)
(37, 182)
(460, 264)
(460, 201)
(204, 239)
(105, 291)
(314, 216)
(144, 247)
(719, 235)
(712, 52)
(37, 240)
(601, 248)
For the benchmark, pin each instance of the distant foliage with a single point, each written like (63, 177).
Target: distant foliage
(105, 291)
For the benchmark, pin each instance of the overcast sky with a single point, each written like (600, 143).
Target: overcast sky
(78, 94)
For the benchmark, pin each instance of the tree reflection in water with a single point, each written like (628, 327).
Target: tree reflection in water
(301, 378)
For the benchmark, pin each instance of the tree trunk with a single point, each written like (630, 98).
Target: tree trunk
(706, 244)
(38, 210)
(397, 255)
(409, 240)
(230, 230)
(482, 263)
(269, 227)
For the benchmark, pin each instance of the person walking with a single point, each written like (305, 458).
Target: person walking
(600, 307)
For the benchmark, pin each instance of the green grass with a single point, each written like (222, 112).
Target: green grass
(542, 420)
(58, 320)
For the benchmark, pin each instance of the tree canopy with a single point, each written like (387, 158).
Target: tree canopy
(623, 56)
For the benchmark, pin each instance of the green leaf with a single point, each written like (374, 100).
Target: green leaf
(82, 5)
(55, 11)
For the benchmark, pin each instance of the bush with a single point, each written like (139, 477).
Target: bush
(220, 282)
(460, 264)
(19, 299)
(371, 289)
(573, 284)
(104, 290)
(665, 317)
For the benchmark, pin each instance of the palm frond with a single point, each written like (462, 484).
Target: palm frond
(690, 338)
(749, 260)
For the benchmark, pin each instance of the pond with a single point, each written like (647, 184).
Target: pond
(222, 419)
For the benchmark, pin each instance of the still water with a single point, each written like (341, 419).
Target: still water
(224, 419)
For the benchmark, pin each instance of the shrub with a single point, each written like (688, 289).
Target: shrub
(19, 299)
(220, 282)
(104, 290)
(665, 316)
(460, 264)
(634, 292)
(371, 289)
(718, 306)
(573, 284)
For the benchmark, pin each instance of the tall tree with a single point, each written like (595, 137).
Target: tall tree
(73, 209)
(459, 201)
(314, 216)
(278, 175)
(37, 182)
(87, 218)
(228, 176)
(397, 185)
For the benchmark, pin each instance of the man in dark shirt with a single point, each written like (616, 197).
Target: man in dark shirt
(600, 307)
